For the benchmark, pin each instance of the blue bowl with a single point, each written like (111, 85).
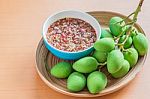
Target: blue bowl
(73, 14)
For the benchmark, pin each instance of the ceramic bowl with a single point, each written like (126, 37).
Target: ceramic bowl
(73, 14)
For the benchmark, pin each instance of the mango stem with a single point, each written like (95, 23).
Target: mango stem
(102, 64)
(125, 18)
(138, 9)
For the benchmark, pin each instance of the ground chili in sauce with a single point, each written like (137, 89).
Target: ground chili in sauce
(71, 34)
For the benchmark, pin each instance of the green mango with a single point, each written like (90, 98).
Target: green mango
(116, 28)
(126, 28)
(85, 65)
(96, 82)
(100, 56)
(114, 61)
(104, 45)
(128, 43)
(106, 33)
(61, 70)
(131, 55)
(140, 43)
(123, 71)
(76, 82)
(133, 31)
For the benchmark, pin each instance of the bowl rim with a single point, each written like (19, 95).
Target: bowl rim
(64, 11)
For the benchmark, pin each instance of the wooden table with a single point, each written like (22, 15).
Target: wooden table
(20, 31)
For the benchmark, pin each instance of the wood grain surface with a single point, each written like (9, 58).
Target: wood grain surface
(20, 31)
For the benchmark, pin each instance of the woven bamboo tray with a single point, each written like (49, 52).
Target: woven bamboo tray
(45, 60)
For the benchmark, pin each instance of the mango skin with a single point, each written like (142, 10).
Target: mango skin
(114, 61)
(116, 29)
(104, 45)
(106, 34)
(100, 56)
(76, 82)
(134, 31)
(128, 43)
(96, 82)
(123, 71)
(85, 65)
(140, 43)
(61, 70)
(131, 55)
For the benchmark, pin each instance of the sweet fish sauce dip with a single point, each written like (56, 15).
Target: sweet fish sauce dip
(71, 34)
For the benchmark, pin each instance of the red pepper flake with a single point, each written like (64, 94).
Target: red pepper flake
(71, 34)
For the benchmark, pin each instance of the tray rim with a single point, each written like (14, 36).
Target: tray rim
(113, 89)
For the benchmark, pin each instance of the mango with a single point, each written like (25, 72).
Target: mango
(100, 56)
(114, 61)
(128, 43)
(140, 43)
(96, 82)
(85, 65)
(104, 45)
(131, 55)
(106, 33)
(76, 82)
(133, 31)
(116, 28)
(61, 70)
(123, 71)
